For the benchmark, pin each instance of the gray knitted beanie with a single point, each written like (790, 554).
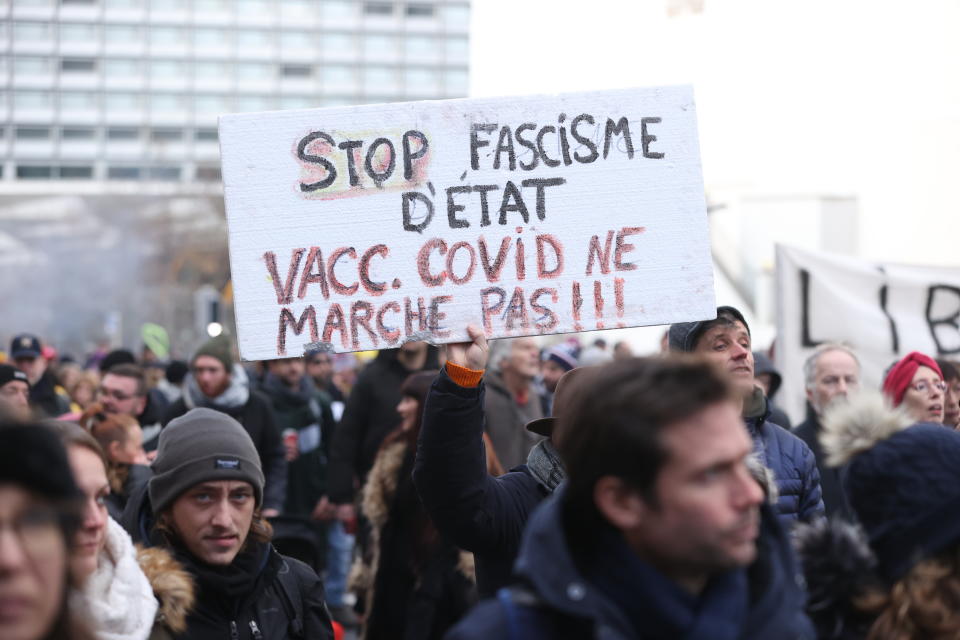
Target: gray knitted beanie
(200, 446)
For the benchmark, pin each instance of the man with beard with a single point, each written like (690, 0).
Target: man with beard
(46, 400)
(306, 424)
(831, 373)
(216, 383)
(661, 530)
(726, 342)
(14, 394)
(123, 391)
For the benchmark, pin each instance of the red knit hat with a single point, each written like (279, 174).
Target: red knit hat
(901, 374)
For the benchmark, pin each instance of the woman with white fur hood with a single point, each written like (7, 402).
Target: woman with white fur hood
(119, 592)
(897, 573)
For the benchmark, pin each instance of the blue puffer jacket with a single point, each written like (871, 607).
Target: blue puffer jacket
(793, 464)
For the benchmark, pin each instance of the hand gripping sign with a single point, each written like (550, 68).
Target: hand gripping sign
(364, 227)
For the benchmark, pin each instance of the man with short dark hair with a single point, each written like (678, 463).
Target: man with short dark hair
(14, 394)
(661, 530)
(123, 390)
(46, 399)
(726, 342)
(205, 503)
(216, 383)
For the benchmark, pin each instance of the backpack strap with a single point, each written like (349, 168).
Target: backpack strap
(292, 604)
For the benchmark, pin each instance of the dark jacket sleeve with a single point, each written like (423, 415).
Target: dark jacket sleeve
(273, 456)
(480, 513)
(811, 499)
(347, 440)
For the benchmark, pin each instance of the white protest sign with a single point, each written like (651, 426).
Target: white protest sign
(882, 311)
(364, 227)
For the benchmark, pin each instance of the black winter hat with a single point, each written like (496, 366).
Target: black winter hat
(202, 445)
(901, 479)
(9, 374)
(683, 336)
(32, 456)
(115, 357)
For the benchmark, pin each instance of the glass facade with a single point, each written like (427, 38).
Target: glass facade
(130, 81)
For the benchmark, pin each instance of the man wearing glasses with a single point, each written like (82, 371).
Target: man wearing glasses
(124, 391)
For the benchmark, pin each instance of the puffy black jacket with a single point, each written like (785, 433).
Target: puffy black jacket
(558, 601)
(834, 500)
(792, 462)
(284, 600)
(479, 513)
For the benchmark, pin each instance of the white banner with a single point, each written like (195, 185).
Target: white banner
(882, 311)
(364, 227)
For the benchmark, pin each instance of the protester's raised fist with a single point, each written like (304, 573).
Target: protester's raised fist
(472, 355)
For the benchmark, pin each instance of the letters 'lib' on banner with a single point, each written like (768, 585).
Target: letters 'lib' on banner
(882, 310)
(364, 227)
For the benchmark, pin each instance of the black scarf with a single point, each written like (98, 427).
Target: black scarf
(233, 582)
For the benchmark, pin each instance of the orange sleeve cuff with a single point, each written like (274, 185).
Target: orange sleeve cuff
(467, 378)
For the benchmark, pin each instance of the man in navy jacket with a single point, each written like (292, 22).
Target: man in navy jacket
(726, 341)
(661, 530)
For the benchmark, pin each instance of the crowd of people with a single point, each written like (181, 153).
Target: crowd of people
(502, 489)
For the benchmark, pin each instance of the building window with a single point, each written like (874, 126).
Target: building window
(122, 33)
(31, 66)
(210, 70)
(76, 172)
(206, 135)
(31, 31)
(211, 104)
(123, 133)
(78, 100)
(123, 173)
(375, 78)
(253, 38)
(420, 46)
(338, 9)
(458, 48)
(165, 174)
(420, 10)
(296, 102)
(123, 4)
(166, 134)
(296, 71)
(337, 44)
(378, 8)
(247, 103)
(166, 102)
(254, 71)
(210, 37)
(375, 45)
(32, 133)
(337, 75)
(34, 172)
(167, 69)
(167, 35)
(122, 101)
(121, 67)
(79, 32)
(78, 65)
(457, 16)
(68, 3)
(208, 174)
(33, 100)
(77, 133)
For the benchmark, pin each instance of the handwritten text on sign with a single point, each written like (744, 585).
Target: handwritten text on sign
(364, 227)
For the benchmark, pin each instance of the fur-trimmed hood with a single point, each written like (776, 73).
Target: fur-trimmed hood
(172, 586)
(852, 427)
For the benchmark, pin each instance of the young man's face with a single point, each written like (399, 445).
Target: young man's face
(211, 376)
(705, 517)
(551, 373)
(118, 394)
(729, 347)
(33, 366)
(213, 519)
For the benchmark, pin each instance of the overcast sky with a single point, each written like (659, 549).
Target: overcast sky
(849, 97)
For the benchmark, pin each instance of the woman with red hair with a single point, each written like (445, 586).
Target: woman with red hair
(917, 383)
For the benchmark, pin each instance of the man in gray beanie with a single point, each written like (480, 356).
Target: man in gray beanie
(204, 503)
(726, 342)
